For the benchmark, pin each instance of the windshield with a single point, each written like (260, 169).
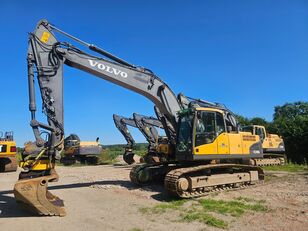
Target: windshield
(247, 129)
(184, 134)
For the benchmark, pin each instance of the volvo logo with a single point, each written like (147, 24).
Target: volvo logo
(107, 68)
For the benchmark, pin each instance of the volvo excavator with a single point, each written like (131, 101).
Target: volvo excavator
(272, 145)
(209, 152)
(121, 124)
(145, 124)
(158, 147)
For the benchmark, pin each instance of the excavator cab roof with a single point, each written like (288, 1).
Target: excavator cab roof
(193, 109)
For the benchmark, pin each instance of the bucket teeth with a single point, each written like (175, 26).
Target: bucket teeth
(32, 194)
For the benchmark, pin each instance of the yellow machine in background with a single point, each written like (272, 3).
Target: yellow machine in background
(82, 151)
(272, 145)
(8, 152)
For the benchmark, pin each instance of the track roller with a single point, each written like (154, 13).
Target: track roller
(196, 181)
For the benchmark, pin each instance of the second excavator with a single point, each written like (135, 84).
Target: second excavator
(209, 152)
(272, 145)
(146, 125)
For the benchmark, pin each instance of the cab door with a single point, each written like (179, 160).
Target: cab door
(222, 136)
(205, 134)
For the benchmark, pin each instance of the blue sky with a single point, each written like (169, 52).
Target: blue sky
(249, 55)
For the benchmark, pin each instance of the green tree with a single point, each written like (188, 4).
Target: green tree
(291, 122)
(259, 121)
(243, 121)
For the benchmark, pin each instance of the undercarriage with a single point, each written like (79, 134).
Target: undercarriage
(197, 180)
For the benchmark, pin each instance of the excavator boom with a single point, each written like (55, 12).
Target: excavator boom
(197, 131)
(146, 125)
(46, 58)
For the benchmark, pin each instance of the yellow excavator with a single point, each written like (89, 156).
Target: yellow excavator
(209, 153)
(8, 152)
(272, 145)
(86, 152)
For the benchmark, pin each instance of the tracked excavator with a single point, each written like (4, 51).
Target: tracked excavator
(8, 152)
(86, 152)
(158, 147)
(145, 124)
(272, 145)
(210, 153)
(121, 124)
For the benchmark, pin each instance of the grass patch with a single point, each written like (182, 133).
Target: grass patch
(163, 207)
(107, 157)
(287, 168)
(234, 208)
(204, 210)
(205, 218)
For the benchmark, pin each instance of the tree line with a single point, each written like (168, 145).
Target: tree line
(291, 122)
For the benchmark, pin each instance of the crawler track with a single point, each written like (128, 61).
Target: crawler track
(199, 181)
(269, 159)
(196, 181)
(135, 173)
(146, 173)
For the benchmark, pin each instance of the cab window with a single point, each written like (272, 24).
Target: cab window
(248, 129)
(260, 132)
(3, 148)
(208, 126)
(220, 124)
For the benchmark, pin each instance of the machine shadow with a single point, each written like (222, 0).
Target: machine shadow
(9, 207)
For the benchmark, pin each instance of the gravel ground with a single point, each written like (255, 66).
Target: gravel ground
(103, 198)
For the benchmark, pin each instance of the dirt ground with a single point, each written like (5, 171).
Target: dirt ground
(103, 198)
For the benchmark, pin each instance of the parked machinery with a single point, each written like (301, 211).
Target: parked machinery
(272, 145)
(146, 125)
(86, 152)
(209, 150)
(8, 152)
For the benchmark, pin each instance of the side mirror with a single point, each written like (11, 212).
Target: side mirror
(229, 129)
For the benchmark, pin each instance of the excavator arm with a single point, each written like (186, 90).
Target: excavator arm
(186, 175)
(146, 125)
(46, 58)
(150, 120)
(149, 132)
(121, 123)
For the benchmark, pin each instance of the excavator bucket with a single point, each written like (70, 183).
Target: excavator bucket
(129, 158)
(32, 194)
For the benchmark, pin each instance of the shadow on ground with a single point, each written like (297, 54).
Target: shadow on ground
(9, 207)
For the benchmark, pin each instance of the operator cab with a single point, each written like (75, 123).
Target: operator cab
(200, 127)
(255, 130)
